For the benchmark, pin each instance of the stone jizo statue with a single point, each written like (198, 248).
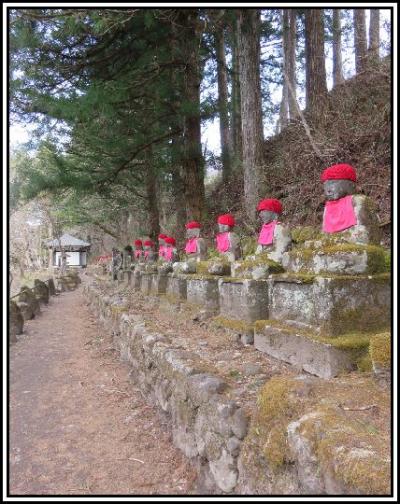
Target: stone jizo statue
(227, 241)
(149, 252)
(274, 237)
(196, 247)
(138, 253)
(170, 251)
(161, 246)
(346, 212)
(127, 257)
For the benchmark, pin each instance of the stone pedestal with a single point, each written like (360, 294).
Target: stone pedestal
(146, 282)
(137, 278)
(332, 305)
(41, 291)
(176, 287)
(158, 283)
(16, 322)
(321, 358)
(203, 291)
(243, 299)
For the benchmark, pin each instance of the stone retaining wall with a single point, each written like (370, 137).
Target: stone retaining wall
(234, 451)
(26, 305)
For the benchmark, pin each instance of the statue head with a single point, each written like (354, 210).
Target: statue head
(161, 239)
(148, 245)
(269, 210)
(226, 223)
(193, 229)
(169, 241)
(339, 181)
(138, 244)
(128, 249)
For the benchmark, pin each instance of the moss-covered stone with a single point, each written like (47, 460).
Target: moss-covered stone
(380, 350)
(239, 326)
(303, 233)
(245, 268)
(248, 244)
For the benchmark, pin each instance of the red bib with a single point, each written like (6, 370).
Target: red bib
(223, 243)
(191, 246)
(338, 215)
(266, 236)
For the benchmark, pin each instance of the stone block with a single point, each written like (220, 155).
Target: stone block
(51, 286)
(41, 291)
(332, 304)
(137, 278)
(176, 287)
(243, 299)
(146, 282)
(158, 283)
(203, 291)
(341, 259)
(16, 322)
(316, 357)
(28, 303)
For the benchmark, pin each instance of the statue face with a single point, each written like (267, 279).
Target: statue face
(267, 216)
(192, 233)
(223, 228)
(336, 189)
(161, 241)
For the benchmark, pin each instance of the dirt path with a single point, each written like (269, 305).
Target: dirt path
(78, 425)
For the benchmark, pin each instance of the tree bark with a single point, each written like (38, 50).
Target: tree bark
(193, 163)
(236, 126)
(373, 49)
(250, 105)
(223, 106)
(316, 88)
(291, 65)
(152, 196)
(284, 108)
(337, 49)
(360, 40)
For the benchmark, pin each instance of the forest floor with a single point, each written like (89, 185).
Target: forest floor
(78, 425)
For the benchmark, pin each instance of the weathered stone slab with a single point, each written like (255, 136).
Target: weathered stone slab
(176, 287)
(243, 299)
(146, 282)
(28, 303)
(204, 292)
(342, 259)
(316, 357)
(51, 286)
(333, 305)
(41, 291)
(137, 278)
(16, 322)
(158, 283)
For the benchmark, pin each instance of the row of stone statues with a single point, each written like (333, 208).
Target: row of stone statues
(346, 214)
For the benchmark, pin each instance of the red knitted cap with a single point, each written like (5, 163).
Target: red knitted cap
(226, 220)
(162, 236)
(170, 240)
(193, 225)
(148, 243)
(138, 243)
(339, 172)
(273, 205)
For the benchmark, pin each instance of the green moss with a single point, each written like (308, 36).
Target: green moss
(364, 363)
(304, 233)
(249, 245)
(365, 320)
(388, 261)
(248, 265)
(239, 326)
(380, 349)
(196, 276)
(304, 278)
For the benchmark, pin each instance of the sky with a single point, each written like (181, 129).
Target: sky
(20, 133)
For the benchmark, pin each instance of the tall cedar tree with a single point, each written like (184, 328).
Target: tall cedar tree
(337, 49)
(250, 105)
(360, 40)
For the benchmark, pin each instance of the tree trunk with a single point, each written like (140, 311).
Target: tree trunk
(373, 49)
(152, 196)
(193, 163)
(360, 40)
(283, 112)
(337, 49)
(316, 88)
(291, 65)
(223, 106)
(236, 126)
(250, 105)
